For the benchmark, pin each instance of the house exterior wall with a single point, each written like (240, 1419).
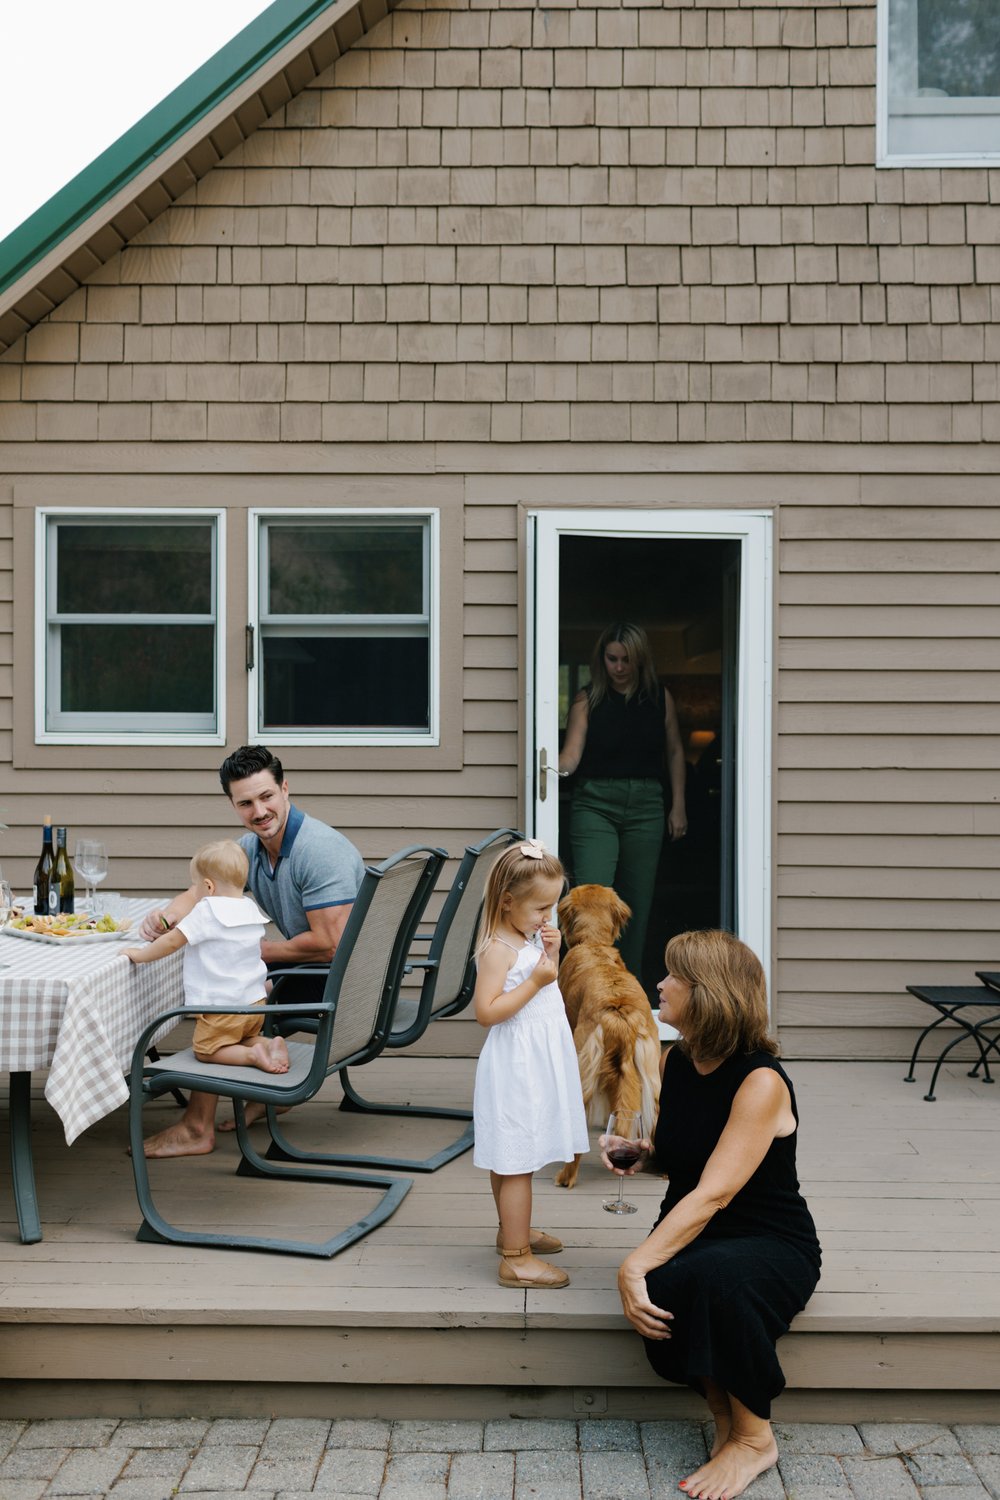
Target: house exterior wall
(504, 256)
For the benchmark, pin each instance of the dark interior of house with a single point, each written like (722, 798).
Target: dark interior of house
(675, 590)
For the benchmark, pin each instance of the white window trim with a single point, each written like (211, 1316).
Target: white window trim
(429, 737)
(883, 158)
(120, 734)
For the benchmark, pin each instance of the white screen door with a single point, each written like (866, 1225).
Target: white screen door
(752, 811)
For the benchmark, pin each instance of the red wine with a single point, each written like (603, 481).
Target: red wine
(624, 1156)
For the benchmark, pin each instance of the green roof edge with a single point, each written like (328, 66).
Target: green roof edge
(143, 142)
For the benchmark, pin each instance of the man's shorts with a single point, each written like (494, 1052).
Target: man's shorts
(215, 1031)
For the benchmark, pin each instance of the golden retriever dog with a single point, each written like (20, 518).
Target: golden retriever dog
(617, 1041)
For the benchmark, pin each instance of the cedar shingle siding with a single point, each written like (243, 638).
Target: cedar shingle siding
(589, 231)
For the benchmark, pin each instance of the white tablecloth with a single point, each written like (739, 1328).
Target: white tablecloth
(78, 1011)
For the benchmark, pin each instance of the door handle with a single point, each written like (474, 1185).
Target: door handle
(543, 774)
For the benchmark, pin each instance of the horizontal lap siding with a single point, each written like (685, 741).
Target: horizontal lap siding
(888, 771)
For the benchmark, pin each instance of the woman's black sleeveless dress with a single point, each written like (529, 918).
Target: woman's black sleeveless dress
(734, 1290)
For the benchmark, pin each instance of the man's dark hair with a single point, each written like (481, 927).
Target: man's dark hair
(249, 760)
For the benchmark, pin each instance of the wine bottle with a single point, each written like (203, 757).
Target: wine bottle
(61, 878)
(43, 874)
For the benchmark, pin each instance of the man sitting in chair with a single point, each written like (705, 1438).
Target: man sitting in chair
(304, 874)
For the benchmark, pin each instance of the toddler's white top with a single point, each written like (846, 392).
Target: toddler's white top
(222, 962)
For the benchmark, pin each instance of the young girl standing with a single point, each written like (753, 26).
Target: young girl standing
(528, 1104)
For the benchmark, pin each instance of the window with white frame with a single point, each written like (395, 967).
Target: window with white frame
(939, 81)
(345, 626)
(128, 637)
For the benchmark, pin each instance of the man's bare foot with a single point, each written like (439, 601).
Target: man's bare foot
(254, 1111)
(179, 1140)
(270, 1053)
(733, 1468)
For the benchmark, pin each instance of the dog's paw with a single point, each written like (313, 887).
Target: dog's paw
(566, 1177)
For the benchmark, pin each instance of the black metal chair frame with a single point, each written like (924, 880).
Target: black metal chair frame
(486, 850)
(427, 1010)
(149, 1080)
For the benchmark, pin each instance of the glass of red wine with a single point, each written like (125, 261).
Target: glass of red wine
(623, 1149)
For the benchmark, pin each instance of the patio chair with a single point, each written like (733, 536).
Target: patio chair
(352, 1024)
(449, 980)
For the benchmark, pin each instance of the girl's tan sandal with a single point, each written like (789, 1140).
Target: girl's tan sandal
(541, 1243)
(548, 1277)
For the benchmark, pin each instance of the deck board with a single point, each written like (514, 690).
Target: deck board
(905, 1194)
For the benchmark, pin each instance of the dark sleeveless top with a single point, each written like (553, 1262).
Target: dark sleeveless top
(625, 737)
(694, 1111)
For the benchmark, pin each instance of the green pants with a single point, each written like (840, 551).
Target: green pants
(616, 833)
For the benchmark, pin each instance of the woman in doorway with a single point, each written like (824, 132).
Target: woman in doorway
(621, 733)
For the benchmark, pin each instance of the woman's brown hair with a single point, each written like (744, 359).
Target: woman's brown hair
(727, 1013)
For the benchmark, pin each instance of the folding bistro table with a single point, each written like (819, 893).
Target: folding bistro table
(78, 1011)
(973, 1008)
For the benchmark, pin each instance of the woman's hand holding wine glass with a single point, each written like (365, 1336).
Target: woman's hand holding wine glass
(622, 1148)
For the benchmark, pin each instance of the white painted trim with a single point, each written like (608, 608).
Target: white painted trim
(120, 515)
(924, 159)
(753, 530)
(431, 514)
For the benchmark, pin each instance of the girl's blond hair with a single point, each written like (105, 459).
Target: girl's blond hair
(727, 1013)
(223, 861)
(512, 873)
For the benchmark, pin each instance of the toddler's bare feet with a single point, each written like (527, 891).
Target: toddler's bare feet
(735, 1466)
(270, 1053)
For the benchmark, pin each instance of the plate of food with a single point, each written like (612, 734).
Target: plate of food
(80, 928)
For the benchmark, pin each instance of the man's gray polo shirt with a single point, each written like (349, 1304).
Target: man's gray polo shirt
(317, 867)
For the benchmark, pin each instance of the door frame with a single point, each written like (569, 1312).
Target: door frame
(753, 530)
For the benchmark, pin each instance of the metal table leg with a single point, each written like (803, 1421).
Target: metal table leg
(21, 1162)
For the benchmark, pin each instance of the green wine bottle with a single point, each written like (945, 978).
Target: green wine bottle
(42, 882)
(62, 876)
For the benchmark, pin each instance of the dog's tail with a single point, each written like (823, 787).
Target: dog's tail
(619, 1070)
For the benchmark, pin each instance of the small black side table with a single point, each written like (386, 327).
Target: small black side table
(952, 1002)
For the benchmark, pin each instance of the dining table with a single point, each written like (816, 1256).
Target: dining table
(77, 1008)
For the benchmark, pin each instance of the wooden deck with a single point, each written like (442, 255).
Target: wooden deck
(410, 1321)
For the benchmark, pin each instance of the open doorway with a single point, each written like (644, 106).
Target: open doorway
(685, 594)
(675, 557)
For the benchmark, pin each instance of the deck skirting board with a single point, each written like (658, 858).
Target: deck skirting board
(148, 1398)
(332, 1357)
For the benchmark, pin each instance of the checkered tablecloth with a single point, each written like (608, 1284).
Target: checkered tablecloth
(78, 1012)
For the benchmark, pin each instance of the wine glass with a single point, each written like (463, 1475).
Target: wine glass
(7, 908)
(91, 864)
(623, 1149)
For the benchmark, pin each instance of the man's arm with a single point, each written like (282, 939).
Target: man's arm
(165, 918)
(318, 945)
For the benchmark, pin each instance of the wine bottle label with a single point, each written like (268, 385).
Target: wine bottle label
(53, 900)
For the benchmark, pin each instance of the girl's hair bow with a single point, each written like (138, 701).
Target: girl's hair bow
(533, 849)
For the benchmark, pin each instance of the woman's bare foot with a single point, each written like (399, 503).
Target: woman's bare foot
(179, 1140)
(722, 1414)
(735, 1466)
(270, 1053)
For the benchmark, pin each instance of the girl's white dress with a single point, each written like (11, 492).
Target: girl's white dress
(528, 1103)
